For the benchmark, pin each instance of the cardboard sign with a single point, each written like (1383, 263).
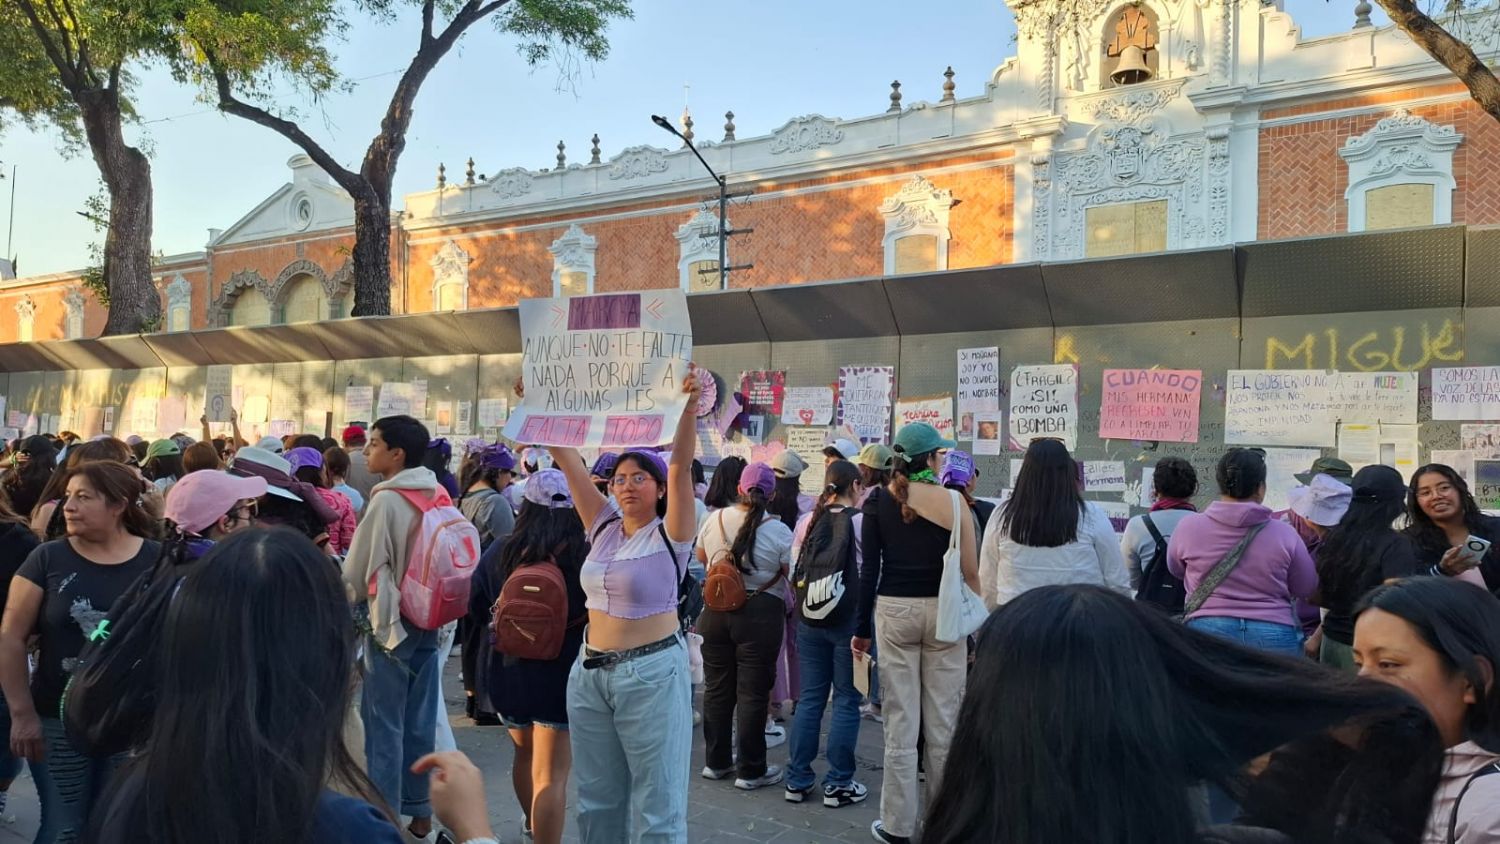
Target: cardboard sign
(603, 370)
(807, 406)
(1044, 404)
(1290, 407)
(1153, 405)
(218, 398)
(865, 401)
(1466, 392)
(936, 411)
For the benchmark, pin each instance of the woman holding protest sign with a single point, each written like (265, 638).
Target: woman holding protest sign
(630, 707)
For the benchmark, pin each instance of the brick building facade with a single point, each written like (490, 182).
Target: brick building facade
(1117, 128)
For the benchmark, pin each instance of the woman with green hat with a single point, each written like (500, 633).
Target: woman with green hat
(163, 464)
(922, 676)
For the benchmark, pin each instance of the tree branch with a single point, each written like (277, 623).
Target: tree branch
(429, 8)
(85, 66)
(1449, 51)
(230, 104)
(62, 61)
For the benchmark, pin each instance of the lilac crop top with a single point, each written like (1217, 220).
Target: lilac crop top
(631, 577)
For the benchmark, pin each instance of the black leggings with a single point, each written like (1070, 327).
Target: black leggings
(739, 669)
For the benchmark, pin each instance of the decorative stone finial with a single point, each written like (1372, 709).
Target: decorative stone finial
(442, 176)
(562, 155)
(594, 153)
(687, 127)
(469, 172)
(895, 98)
(948, 85)
(728, 125)
(1362, 11)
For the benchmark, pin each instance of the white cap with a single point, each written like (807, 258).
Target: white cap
(847, 447)
(1322, 502)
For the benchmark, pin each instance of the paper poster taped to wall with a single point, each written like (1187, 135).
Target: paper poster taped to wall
(987, 433)
(808, 442)
(1487, 484)
(1282, 466)
(978, 384)
(603, 370)
(1389, 397)
(492, 412)
(359, 404)
(936, 411)
(1044, 405)
(1460, 461)
(1482, 440)
(807, 406)
(764, 390)
(1154, 405)
(395, 400)
(1466, 392)
(865, 401)
(1279, 408)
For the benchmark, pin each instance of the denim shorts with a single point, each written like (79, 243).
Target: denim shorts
(528, 723)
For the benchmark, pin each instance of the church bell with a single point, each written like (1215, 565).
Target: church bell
(1132, 67)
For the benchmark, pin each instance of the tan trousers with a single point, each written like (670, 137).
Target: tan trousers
(921, 688)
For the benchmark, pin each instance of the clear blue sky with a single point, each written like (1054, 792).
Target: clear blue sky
(768, 61)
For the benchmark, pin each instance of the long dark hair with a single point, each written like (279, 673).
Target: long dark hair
(1043, 750)
(1046, 504)
(544, 533)
(119, 485)
(1347, 562)
(838, 480)
(783, 502)
(1420, 526)
(23, 483)
(742, 550)
(906, 466)
(106, 449)
(1462, 623)
(723, 488)
(256, 662)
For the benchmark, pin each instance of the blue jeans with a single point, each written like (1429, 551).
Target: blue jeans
(631, 728)
(399, 708)
(1261, 635)
(825, 660)
(67, 785)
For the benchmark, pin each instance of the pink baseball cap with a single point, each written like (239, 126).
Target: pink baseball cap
(758, 476)
(200, 498)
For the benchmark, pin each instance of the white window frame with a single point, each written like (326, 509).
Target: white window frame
(73, 321)
(180, 297)
(696, 242)
(450, 266)
(1402, 149)
(918, 208)
(573, 252)
(26, 316)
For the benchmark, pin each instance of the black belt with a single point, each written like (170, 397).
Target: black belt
(609, 659)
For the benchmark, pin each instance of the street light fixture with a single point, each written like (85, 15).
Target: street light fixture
(724, 232)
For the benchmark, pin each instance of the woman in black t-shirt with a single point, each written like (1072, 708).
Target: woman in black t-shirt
(61, 593)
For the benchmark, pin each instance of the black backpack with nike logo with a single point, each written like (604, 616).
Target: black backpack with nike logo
(826, 578)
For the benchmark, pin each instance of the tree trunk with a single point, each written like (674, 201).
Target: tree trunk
(372, 254)
(134, 305)
(1448, 51)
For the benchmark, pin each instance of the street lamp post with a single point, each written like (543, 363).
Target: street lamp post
(724, 232)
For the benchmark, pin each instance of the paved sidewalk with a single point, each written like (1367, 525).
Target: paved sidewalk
(717, 810)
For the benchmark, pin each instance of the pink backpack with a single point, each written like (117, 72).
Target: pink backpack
(444, 551)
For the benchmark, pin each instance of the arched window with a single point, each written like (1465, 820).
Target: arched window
(304, 300)
(573, 263)
(450, 278)
(698, 257)
(179, 305)
(916, 228)
(250, 308)
(1401, 174)
(73, 324)
(26, 316)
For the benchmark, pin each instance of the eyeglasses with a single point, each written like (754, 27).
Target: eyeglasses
(636, 479)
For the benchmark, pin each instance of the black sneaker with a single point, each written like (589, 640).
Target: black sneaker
(835, 796)
(877, 830)
(797, 795)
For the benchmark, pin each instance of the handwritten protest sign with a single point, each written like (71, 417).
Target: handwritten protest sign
(603, 370)
(978, 379)
(1043, 403)
(1487, 483)
(1389, 397)
(1279, 407)
(807, 406)
(764, 391)
(1466, 392)
(1282, 466)
(219, 396)
(359, 404)
(1156, 405)
(395, 400)
(1103, 476)
(865, 401)
(808, 442)
(936, 411)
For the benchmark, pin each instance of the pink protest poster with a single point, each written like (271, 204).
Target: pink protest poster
(763, 390)
(1153, 405)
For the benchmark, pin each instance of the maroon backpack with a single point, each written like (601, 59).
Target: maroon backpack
(530, 618)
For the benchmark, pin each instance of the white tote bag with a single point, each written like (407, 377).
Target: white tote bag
(959, 611)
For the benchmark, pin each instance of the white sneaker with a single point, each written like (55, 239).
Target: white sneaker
(716, 774)
(775, 735)
(872, 712)
(772, 776)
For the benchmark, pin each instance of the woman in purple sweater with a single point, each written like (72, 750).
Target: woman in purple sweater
(1248, 600)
